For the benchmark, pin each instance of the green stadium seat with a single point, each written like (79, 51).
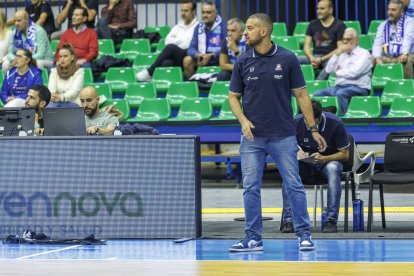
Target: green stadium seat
(208, 69)
(385, 72)
(121, 105)
(353, 24)
(279, 29)
(87, 75)
(106, 47)
(300, 32)
(219, 93)
(103, 90)
(137, 92)
(365, 41)
(316, 85)
(196, 109)
(308, 72)
(396, 89)
(332, 79)
(373, 26)
(179, 91)
(118, 78)
(45, 76)
(288, 42)
(135, 46)
(53, 46)
(295, 106)
(225, 112)
(1, 77)
(144, 60)
(152, 110)
(328, 101)
(401, 108)
(364, 107)
(162, 30)
(164, 76)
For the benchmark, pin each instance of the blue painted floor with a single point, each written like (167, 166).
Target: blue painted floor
(275, 250)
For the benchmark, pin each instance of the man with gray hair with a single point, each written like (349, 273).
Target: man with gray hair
(394, 40)
(30, 36)
(264, 78)
(231, 48)
(352, 66)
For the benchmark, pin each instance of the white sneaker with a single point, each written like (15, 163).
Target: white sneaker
(143, 76)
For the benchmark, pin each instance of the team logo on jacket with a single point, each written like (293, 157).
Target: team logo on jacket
(278, 67)
(251, 69)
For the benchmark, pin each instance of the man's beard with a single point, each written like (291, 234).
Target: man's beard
(91, 113)
(256, 42)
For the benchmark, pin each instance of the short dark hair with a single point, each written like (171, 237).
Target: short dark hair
(265, 19)
(84, 11)
(43, 92)
(317, 108)
(194, 4)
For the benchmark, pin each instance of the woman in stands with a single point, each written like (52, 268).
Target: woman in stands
(66, 80)
(23, 74)
(5, 36)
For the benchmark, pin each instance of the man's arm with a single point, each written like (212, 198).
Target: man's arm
(359, 68)
(307, 48)
(42, 19)
(236, 108)
(64, 13)
(225, 65)
(341, 155)
(91, 12)
(302, 97)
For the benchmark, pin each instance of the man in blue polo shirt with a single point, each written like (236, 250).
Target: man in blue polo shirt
(327, 164)
(264, 78)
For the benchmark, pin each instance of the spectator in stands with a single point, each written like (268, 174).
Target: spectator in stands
(231, 48)
(19, 79)
(30, 36)
(91, 7)
(66, 80)
(118, 20)
(205, 45)
(177, 42)
(326, 35)
(352, 66)
(5, 37)
(394, 40)
(83, 39)
(409, 7)
(328, 164)
(41, 13)
(38, 98)
(98, 122)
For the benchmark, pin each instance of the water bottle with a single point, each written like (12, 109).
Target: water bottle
(358, 210)
(323, 218)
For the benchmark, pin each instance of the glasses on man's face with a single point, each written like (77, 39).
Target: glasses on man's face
(347, 39)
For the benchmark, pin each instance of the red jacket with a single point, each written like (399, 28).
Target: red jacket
(85, 43)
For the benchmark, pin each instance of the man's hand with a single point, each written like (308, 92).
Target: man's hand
(403, 58)
(204, 59)
(318, 157)
(81, 61)
(301, 154)
(55, 98)
(320, 140)
(113, 26)
(315, 62)
(343, 48)
(247, 126)
(92, 130)
(378, 61)
(232, 45)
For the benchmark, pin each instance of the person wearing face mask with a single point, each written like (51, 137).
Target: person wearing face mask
(352, 66)
(66, 80)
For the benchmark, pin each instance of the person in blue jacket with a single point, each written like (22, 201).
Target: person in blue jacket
(205, 45)
(19, 79)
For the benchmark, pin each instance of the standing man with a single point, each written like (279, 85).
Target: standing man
(329, 163)
(352, 66)
(118, 20)
(38, 98)
(205, 45)
(98, 122)
(40, 12)
(28, 35)
(326, 35)
(83, 39)
(177, 42)
(231, 48)
(263, 78)
(394, 40)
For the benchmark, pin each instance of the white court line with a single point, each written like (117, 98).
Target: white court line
(48, 252)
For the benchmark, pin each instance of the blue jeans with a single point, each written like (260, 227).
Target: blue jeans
(332, 172)
(283, 151)
(62, 104)
(344, 93)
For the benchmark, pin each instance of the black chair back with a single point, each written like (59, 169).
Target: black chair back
(399, 152)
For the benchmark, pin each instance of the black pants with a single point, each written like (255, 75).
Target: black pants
(172, 55)
(116, 35)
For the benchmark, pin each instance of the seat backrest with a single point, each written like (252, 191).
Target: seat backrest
(288, 42)
(142, 90)
(139, 45)
(388, 71)
(145, 59)
(364, 107)
(373, 26)
(300, 28)
(121, 105)
(172, 74)
(395, 89)
(399, 152)
(103, 89)
(401, 108)
(106, 46)
(279, 29)
(353, 24)
(208, 69)
(365, 41)
(316, 85)
(159, 108)
(308, 72)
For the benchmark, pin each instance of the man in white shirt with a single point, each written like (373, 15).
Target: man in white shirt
(394, 40)
(177, 42)
(352, 66)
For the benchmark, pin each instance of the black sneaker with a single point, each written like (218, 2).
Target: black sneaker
(330, 227)
(287, 227)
